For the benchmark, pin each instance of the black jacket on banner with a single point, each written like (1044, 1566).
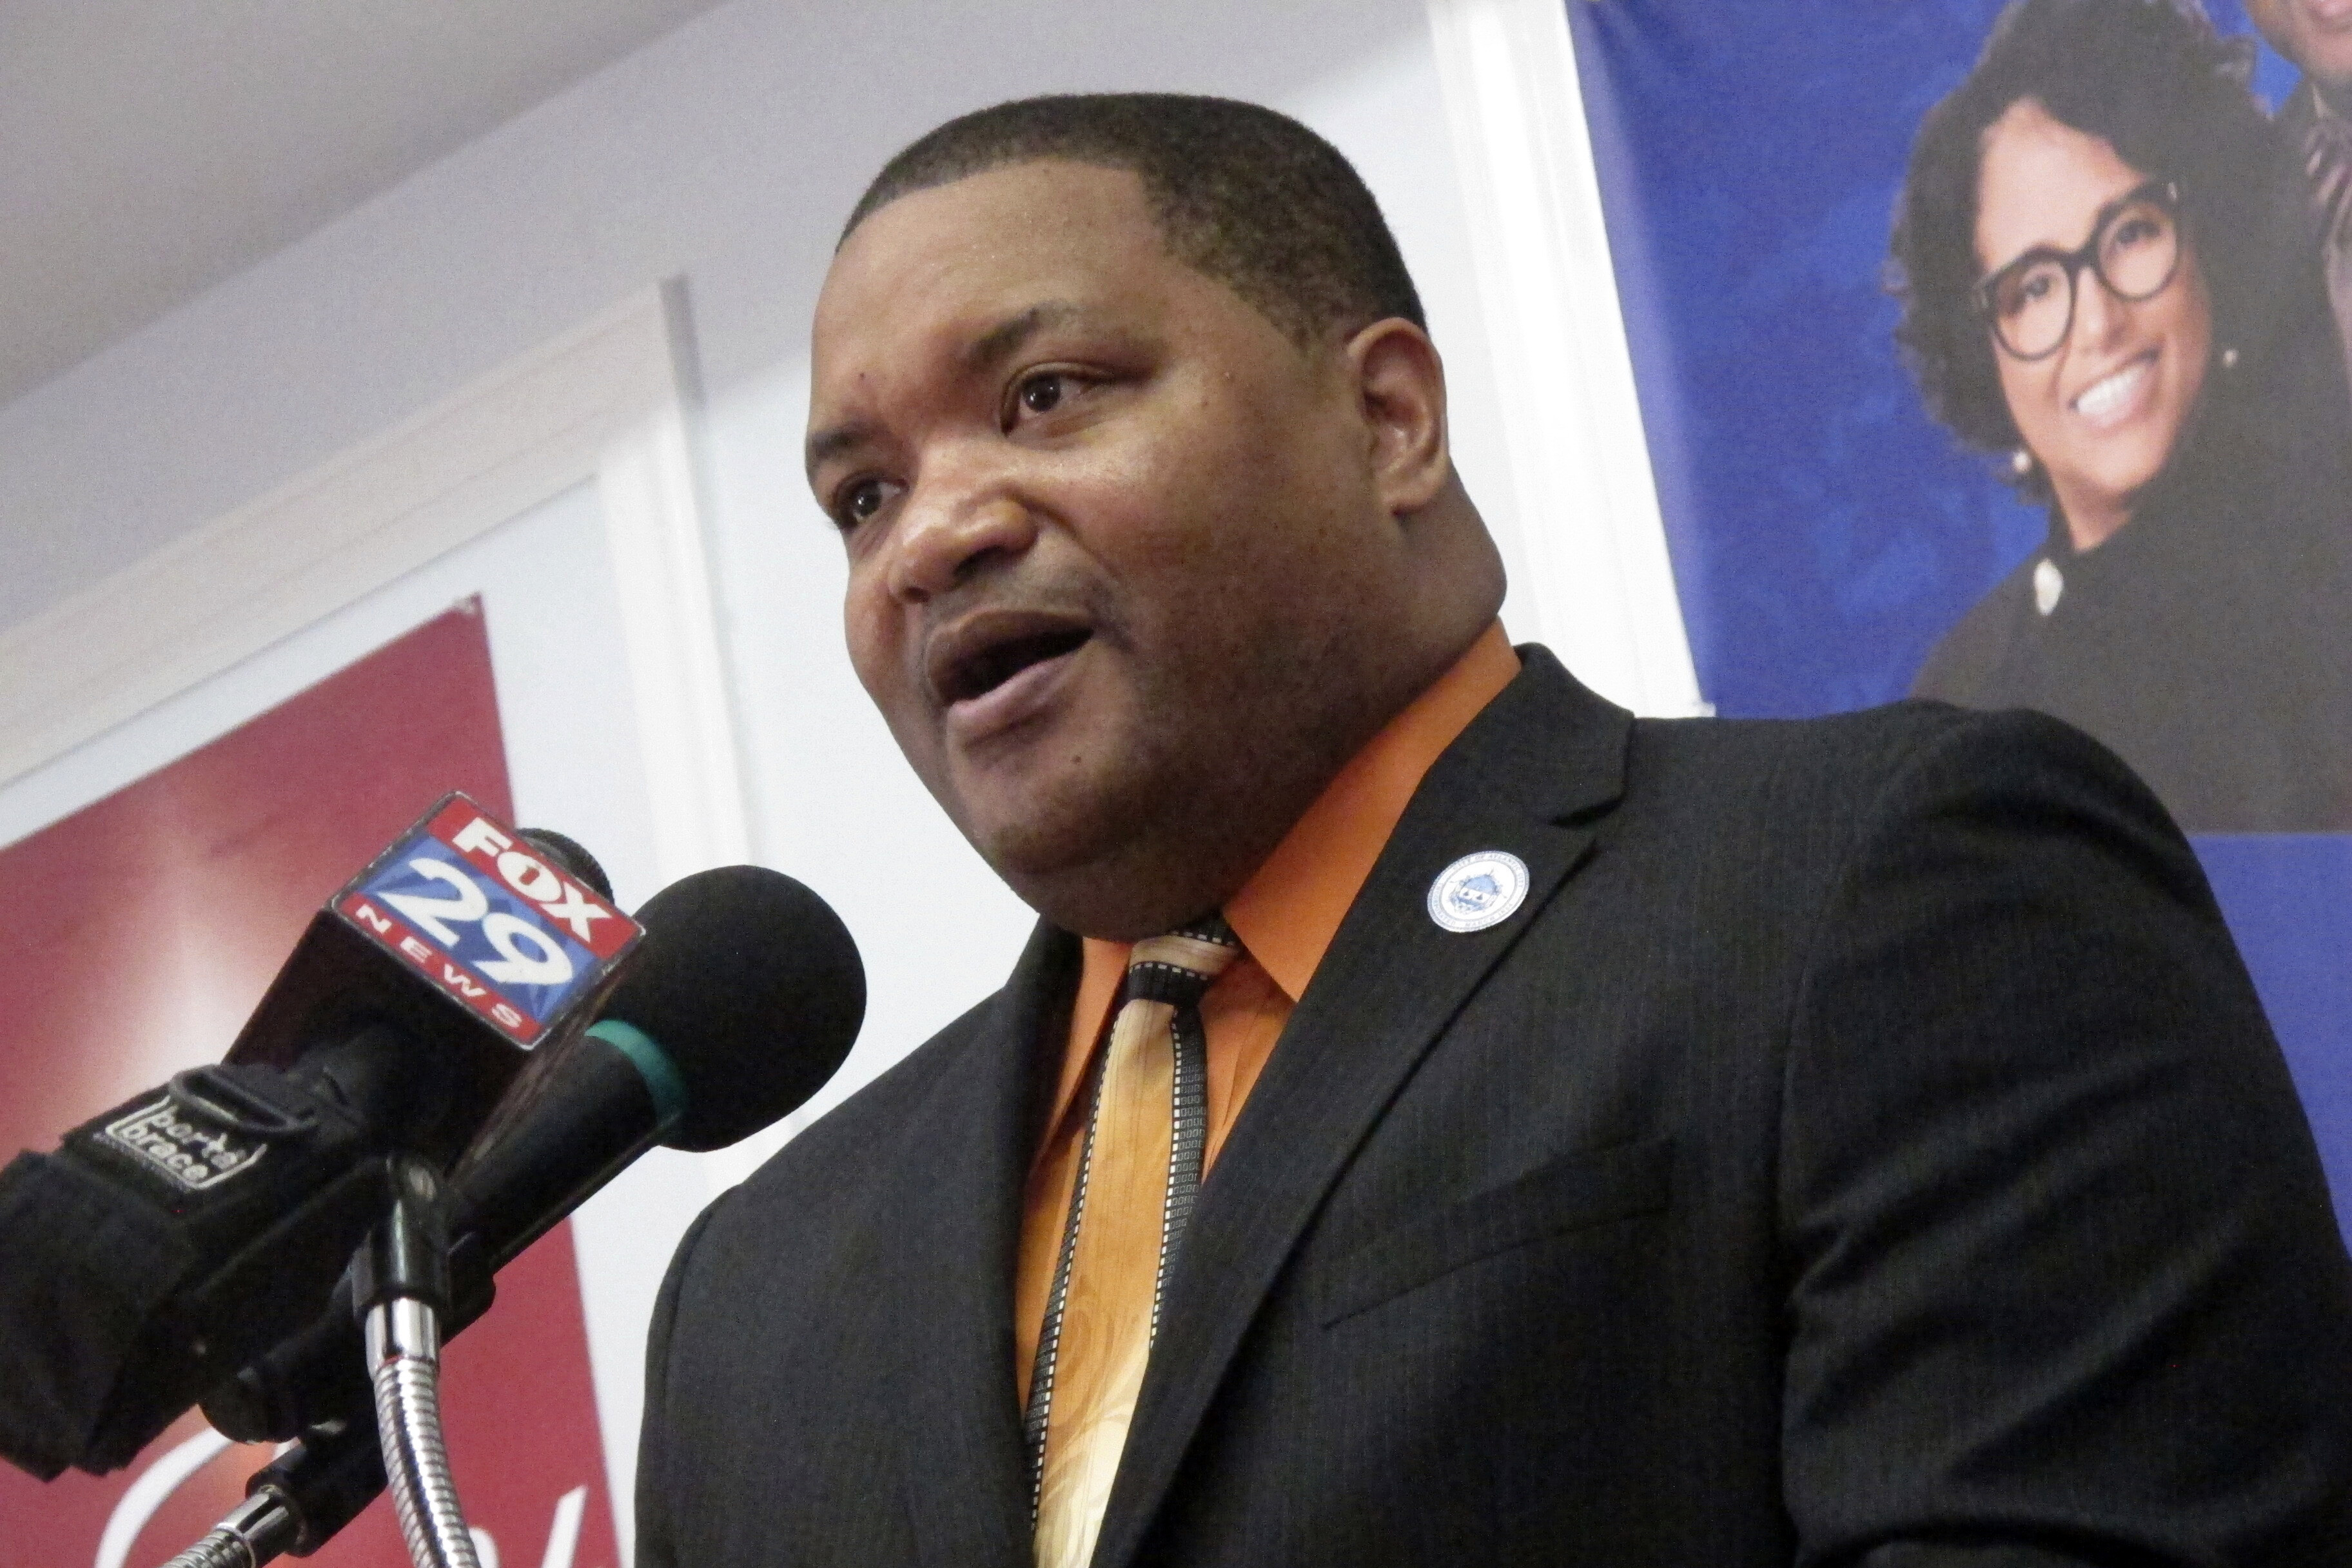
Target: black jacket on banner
(2211, 645)
(1862, 1146)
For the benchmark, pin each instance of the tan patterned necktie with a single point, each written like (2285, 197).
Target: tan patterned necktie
(1137, 1179)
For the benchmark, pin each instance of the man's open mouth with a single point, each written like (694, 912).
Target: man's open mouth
(979, 655)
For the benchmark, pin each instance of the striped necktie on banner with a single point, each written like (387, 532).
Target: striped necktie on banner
(2328, 166)
(1137, 1179)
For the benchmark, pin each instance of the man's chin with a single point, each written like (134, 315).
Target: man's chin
(1098, 876)
(1049, 806)
(1089, 847)
(1028, 830)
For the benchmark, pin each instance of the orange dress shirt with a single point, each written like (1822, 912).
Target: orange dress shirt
(1285, 917)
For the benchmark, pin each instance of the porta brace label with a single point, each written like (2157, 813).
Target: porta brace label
(194, 1152)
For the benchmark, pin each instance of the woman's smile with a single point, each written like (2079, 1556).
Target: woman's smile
(2120, 394)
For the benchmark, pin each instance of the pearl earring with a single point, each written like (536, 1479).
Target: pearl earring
(2020, 462)
(2228, 359)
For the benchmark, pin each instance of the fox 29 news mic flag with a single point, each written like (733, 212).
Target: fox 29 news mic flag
(488, 925)
(174, 1239)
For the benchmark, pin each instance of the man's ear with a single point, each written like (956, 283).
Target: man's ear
(1402, 384)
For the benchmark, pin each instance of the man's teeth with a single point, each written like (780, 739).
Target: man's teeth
(2108, 394)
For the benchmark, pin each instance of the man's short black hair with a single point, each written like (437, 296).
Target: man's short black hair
(1246, 196)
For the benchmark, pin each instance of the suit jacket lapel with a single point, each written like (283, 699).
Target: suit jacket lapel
(948, 1304)
(1527, 776)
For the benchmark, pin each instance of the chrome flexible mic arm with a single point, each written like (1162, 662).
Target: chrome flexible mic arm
(402, 1291)
(255, 1531)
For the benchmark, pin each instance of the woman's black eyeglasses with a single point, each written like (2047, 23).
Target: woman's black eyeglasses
(2134, 251)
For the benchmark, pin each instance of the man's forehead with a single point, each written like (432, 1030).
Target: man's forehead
(1012, 219)
(959, 326)
(963, 258)
(1033, 188)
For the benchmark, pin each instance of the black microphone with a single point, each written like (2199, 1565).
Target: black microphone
(171, 1239)
(746, 995)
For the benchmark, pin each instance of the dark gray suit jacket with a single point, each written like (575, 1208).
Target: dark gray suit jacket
(1863, 1146)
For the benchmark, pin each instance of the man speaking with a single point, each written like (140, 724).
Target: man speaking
(1440, 1118)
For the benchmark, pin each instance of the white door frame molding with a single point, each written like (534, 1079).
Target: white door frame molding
(1587, 503)
(604, 403)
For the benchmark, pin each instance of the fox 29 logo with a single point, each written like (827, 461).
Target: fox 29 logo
(486, 919)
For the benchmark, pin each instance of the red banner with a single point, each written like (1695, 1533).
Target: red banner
(144, 928)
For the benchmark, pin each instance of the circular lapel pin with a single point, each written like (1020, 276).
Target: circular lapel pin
(1478, 890)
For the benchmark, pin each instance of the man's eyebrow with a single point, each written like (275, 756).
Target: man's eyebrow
(831, 442)
(1009, 334)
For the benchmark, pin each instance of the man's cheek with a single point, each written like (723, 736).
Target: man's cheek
(865, 630)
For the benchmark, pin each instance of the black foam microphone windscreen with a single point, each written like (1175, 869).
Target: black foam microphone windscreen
(753, 1048)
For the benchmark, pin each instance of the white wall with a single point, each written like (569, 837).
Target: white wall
(725, 154)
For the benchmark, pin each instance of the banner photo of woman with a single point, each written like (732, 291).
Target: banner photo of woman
(1999, 354)
(2106, 279)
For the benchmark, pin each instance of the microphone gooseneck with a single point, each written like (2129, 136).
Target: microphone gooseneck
(257, 1530)
(402, 1289)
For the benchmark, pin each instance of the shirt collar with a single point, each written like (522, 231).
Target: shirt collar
(1290, 909)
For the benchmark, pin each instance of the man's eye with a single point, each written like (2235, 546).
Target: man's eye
(858, 503)
(1043, 394)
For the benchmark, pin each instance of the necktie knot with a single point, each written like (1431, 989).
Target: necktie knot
(1178, 967)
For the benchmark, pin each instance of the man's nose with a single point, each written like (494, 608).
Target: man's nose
(949, 530)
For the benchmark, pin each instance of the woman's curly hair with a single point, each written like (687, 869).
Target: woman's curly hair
(2152, 79)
